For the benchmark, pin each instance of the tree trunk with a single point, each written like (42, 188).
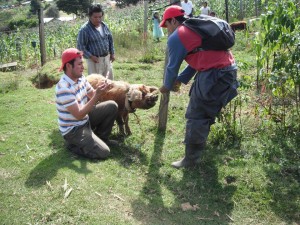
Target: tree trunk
(241, 13)
(226, 11)
(145, 19)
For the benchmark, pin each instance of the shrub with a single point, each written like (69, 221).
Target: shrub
(9, 82)
(52, 12)
(23, 23)
(48, 75)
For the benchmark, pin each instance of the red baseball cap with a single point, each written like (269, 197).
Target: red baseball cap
(171, 12)
(68, 55)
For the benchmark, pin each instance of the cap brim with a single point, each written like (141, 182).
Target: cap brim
(163, 23)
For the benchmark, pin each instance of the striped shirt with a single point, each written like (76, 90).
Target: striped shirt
(92, 42)
(68, 93)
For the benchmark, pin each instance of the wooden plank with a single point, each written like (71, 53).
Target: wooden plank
(8, 65)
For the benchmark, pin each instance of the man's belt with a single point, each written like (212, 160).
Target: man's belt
(104, 55)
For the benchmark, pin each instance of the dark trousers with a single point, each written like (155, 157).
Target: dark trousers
(211, 91)
(89, 139)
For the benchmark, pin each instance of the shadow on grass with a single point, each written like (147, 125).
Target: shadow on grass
(61, 158)
(199, 186)
(129, 151)
(284, 174)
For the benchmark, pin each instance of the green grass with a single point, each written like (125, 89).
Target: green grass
(249, 175)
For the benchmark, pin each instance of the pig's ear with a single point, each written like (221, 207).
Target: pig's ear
(134, 95)
(142, 88)
(153, 89)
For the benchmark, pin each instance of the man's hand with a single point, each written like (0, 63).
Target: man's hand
(176, 86)
(163, 90)
(94, 59)
(112, 58)
(102, 87)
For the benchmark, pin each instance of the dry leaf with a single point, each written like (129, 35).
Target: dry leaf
(49, 185)
(98, 194)
(187, 206)
(229, 217)
(216, 213)
(202, 218)
(118, 197)
(196, 207)
(65, 186)
(68, 192)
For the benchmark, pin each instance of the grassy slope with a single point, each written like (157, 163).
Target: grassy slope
(136, 185)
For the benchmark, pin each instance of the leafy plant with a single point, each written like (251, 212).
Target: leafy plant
(278, 57)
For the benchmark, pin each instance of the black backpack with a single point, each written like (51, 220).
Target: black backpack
(216, 33)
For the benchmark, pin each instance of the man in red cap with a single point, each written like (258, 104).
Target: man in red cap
(84, 125)
(214, 83)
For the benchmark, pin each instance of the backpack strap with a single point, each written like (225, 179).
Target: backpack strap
(197, 49)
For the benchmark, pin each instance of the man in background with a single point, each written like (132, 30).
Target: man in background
(205, 9)
(96, 42)
(187, 6)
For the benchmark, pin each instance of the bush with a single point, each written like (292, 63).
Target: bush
(52, 12)
(23, 23)
(48, 75)
(9, 82)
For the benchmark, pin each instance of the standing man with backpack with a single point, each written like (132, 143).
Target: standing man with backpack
(214, 85)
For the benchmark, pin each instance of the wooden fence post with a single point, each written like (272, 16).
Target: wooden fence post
(42, 37)
(164, 102)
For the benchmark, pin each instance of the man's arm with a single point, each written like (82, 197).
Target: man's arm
(79, 112)
(177, 53)
(82, 42)
(186, 75)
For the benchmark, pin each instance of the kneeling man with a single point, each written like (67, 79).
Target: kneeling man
(84, 125)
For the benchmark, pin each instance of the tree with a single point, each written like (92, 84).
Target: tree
(52, 12)
(123, 3)
(77, 7)
(35, 5)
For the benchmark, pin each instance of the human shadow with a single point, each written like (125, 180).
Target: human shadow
(211, 201)
(129, 152)
(284, 174)
(60, 158)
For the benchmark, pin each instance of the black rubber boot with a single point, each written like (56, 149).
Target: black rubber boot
(192, 156)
